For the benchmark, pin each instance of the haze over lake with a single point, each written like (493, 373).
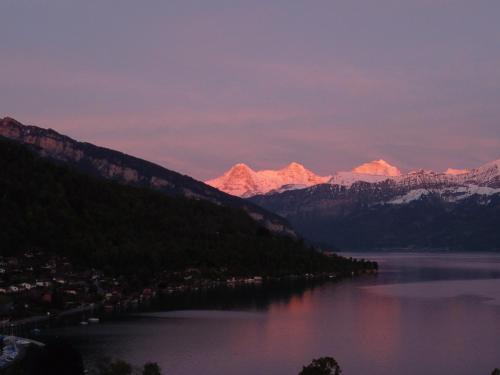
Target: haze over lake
(423, 313)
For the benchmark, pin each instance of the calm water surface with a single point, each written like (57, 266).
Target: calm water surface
(431, 313)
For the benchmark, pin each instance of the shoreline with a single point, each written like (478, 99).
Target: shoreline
(104, 310)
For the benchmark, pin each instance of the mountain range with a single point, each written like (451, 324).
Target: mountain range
(377, 206)
(457, 210)
(243, 181)
(373, 206)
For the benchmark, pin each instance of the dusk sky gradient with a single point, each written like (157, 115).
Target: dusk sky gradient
(198, 86)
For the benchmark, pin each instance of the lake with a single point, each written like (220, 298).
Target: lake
(423, 313)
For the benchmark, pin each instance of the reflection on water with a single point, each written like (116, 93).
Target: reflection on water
(432, 314)
(488, 289)
(246, 297)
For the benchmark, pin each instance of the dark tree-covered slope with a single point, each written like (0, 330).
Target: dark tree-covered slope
(125, 229)
(129, 170)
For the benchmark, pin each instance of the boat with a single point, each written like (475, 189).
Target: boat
(94, 320)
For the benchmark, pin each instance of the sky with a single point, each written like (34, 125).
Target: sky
(198, 86)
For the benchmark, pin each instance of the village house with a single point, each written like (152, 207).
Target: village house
(43, 284)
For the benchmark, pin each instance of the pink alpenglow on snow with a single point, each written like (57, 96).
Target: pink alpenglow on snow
(378, 168)
(373, 171)
(243, 181)
(455, 172)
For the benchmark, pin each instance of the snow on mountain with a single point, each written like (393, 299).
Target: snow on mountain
(287, 187)
(418, 209)
(424, 178)
(240, 180)
(243, 181)
(455, 172)
(378, 168)
(372, 172)
(349, 178)
(486, 175)
(410, 196)
(449, 194)
(482, 181)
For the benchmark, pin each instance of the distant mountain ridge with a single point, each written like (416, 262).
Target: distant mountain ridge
(129, 170)
(416, 209)
(243, 181)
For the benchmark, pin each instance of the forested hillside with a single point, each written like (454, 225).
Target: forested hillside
(128, 170)
(125, 229)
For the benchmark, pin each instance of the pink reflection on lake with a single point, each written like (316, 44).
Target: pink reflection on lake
(423, 314)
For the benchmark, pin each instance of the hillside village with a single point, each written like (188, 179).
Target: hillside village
(40, 285)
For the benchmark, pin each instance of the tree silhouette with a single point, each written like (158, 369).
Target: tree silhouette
(151, 368)
(322, 366)
(107, 367)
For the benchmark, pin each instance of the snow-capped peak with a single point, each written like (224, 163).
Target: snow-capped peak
(240, 168)
(421, 172)
(293, 169)
(378, 168)
(373, 171)
(294, 166)
(243, 181)
(238, 180)
(492, 165)
(455, 172)
(486, 175)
